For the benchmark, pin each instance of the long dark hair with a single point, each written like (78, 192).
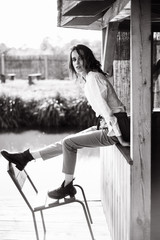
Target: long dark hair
(90, 62)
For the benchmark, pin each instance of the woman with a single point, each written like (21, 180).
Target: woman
(114, 123)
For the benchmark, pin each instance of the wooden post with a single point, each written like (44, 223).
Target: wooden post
(2, 75)
(141, 119)
(46, 66)
(2, 64)
(109, 42)
(104, 30)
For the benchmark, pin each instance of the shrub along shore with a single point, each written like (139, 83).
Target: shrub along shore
(52, 114)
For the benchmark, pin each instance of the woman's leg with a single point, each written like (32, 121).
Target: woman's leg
(48, 152)
(91, 139)
(54, 149)
(124, 125)
(21, 159)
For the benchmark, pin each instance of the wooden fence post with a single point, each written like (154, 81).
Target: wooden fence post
(2, 76)
(46, 66)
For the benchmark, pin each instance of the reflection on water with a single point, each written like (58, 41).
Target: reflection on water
(29, 139)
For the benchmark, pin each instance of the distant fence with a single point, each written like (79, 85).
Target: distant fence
(22, 66)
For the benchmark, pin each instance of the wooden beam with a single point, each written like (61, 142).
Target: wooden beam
(141, 119)
(81, 23)
(123, 14)
(85, 8)
(109, 44)
(71, 21)
(117, 8)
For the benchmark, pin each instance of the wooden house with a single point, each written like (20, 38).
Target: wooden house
(130, 178)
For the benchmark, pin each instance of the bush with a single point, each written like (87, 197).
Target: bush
(13, 113)
(80, 115)
(50, 114)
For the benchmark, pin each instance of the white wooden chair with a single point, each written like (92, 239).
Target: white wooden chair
(41, 201)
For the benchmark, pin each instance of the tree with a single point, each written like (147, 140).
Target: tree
(46, 45)
(3, 48)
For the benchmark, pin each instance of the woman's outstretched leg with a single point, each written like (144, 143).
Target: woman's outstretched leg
(21, 159)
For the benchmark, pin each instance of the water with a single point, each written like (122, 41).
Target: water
(48, 174)
(28, 139)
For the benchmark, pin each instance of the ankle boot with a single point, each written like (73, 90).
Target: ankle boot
(20, 159)
(63, 191)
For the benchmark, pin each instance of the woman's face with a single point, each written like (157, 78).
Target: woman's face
(78, 63)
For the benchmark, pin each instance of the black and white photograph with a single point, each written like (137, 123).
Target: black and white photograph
(80, 120)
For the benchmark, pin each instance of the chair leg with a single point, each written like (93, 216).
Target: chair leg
(43, 222)
(35, 225)
(87, 219)
(88, 211)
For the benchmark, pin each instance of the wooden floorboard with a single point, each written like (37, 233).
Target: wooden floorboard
(65, 222)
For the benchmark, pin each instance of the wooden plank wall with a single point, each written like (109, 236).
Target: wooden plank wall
(122, 81)
(116, 172)
(121, 67)
(116, 187)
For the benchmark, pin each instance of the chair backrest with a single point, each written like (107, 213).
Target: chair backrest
(22, 179)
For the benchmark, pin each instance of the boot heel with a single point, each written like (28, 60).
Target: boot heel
(72, 195)
(19, 167)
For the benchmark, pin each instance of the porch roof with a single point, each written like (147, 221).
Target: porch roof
(96, 14)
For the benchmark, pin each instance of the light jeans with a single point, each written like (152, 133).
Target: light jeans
(90, 137)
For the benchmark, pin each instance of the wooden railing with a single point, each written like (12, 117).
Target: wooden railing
(116, 190)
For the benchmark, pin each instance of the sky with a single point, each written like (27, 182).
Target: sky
(25, 23)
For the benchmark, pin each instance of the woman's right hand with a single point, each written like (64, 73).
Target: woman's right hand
(122, 142)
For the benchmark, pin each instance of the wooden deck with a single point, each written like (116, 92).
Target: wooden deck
(62, 223)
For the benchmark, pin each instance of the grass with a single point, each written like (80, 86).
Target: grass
(40, 89)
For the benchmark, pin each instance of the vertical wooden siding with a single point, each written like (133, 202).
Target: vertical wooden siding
(121, 67)
(122, 81)
(116, 187)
